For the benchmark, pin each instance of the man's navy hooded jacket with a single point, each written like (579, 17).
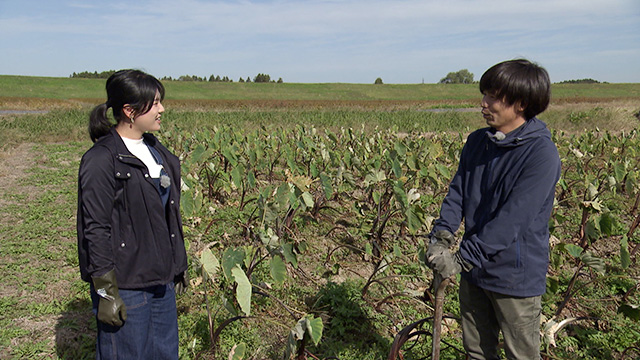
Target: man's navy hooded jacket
(504, 190)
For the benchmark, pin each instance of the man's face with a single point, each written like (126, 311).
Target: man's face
(500, 115)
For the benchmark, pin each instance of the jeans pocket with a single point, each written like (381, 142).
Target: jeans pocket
(134, 298)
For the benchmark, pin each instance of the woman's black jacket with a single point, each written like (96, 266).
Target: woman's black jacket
(122, 223)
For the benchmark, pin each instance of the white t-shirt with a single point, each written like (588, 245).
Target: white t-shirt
(142, 152)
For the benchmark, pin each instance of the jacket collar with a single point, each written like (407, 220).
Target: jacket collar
(531, 129)
(123, 154)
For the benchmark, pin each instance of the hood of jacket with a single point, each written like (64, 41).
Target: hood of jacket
(532, 129)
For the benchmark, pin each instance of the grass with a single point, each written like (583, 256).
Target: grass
(41, 290)
(68, 88)
(45, 308)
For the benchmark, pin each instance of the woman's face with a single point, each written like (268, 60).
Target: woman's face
(150, 121)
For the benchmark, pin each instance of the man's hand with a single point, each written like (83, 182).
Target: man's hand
(181, 283)
(447, 264)
(440, 242)
(111, 308)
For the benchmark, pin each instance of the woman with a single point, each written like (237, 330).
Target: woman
(130, 241)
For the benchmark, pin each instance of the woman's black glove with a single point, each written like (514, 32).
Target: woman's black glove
(181, 283)
(111, 308)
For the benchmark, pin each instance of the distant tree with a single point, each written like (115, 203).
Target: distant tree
(459, 77)
(93, 75)
(241, 80)
(212, 78)
(580, 81)
(191, 78)
(248, 79)
(378, 81)
(280, 81)
(262, 78)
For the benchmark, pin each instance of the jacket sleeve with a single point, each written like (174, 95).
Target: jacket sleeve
(530, 196)
(451, 211)
(97, 195)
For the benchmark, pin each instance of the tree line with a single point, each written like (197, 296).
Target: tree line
(580, 81)
(260, 78)
(458, 77)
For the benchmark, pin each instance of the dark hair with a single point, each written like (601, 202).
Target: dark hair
(125, 87)
(519, 81)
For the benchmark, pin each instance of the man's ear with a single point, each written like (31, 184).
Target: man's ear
(520, 107)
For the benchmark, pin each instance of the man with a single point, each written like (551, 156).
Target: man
(504, 190)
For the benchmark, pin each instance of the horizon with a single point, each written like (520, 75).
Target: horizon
(308, 83)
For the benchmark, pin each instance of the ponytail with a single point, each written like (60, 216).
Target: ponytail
(99, 124)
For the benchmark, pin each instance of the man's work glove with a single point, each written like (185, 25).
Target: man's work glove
(181, 283)
(439, 243)
(447, 264)
(111, 308)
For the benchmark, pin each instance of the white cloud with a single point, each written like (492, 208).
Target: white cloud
(336, 39)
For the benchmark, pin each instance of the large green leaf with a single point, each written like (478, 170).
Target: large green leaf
(327, 186)
(400, 194)
(278, 269)
(593, 262)
(198, 154)
(619, 171)
(444, 171)
(374, 177)
(314, 328)
(229, 306)
(231, 258)
(243, 290)
(237, 174)
(573, 250)
(625, 258)
(230, 154)
(412, 163)
(415, 217)
(592, 192)
(210, 263)
(299, 329)
(269, 238)
(592, 229)
(237, 352)
(630, 311)
(400, 148)
(187, 204)
(607, 223)
(307, 198)
(251, 180)
(307, 325)
(289, 254)
(397, 169)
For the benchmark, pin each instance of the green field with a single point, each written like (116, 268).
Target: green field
(68, 88)
(322, 164)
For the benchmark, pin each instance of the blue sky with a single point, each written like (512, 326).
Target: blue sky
(316, 41)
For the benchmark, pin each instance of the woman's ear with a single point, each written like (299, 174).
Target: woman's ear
(127, 110)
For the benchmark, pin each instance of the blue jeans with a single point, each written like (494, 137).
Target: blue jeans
(151, 328)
